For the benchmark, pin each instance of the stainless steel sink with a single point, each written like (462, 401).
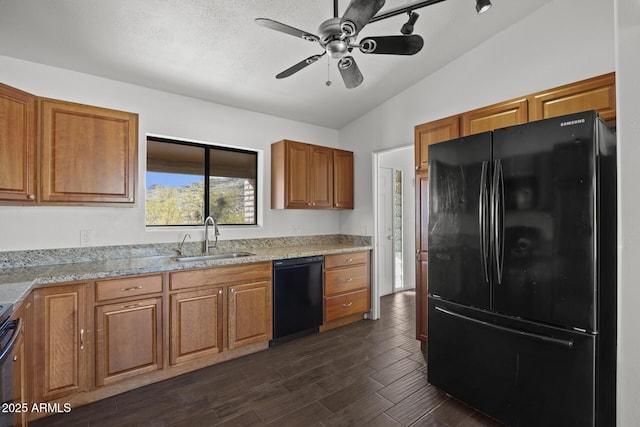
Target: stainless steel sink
(205, 257)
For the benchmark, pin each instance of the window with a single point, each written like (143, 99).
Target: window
(186, 182)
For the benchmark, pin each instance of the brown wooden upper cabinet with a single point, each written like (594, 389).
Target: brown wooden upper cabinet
(306, 176)
(598, 93)
(432, 133)
(495, 116)
(88, 154)
(17, 146)
(343, 179)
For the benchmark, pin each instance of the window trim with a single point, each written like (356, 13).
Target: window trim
(208, 146)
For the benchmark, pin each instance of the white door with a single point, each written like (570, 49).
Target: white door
(385, 231)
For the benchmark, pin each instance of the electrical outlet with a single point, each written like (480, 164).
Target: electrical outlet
(86, 237)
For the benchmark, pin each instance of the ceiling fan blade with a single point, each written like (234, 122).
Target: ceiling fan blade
(392, 45)
(299, 66)
(358, 14)
(283, 28)
(350, 72)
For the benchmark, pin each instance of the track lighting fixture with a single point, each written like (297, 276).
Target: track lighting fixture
(407, 28)
(482, 5)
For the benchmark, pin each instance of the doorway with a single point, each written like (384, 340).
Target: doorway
(394, 219)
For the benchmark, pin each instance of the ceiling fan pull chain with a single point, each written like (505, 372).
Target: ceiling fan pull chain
(328, 83)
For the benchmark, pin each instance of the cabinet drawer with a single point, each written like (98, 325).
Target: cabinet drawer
(343, 260)
(346, 305)
(345, 279)
(128, 287)
(217, 276)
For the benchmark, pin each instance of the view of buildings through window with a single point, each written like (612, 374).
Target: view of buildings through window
(187, 182)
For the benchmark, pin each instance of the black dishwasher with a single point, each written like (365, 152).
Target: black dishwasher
(297, 297)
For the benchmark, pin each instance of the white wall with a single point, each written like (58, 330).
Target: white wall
(628, 129)
(562, 42)
(164, 114)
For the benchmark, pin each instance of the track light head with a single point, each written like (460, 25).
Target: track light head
(407, 28)
(483, 5)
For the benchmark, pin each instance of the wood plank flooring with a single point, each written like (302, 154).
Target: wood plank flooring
(371, 373)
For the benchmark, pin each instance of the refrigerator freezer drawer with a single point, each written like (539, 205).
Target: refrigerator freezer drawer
(520, 373)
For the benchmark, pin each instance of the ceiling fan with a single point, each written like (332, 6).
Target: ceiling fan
(337, 37)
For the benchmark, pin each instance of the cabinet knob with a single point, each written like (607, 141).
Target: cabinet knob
(232, 290)
(219, 291)
(337, 205)
(31, 197)
(15, 358)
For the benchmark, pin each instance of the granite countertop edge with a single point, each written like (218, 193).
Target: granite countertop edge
(17, 283)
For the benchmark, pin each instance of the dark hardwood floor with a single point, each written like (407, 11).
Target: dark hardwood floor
(371, 373)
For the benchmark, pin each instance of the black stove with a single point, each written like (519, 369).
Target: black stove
(5, 312)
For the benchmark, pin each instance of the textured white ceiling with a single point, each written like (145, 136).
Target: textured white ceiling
(213, 50)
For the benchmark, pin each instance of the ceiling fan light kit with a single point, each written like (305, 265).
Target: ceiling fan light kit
(337, 36)
(482, 5)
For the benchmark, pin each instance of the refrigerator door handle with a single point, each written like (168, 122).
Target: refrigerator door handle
(498, 216)
(482, 221)
(538, 337)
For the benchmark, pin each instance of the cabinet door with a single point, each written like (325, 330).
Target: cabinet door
(321, 177)
(19, 368)
(422, 254)
(343, 179)
(432, 133)
(196, 324)
(249, 313)
(17, 146)
(495, 117)
(60, 339)
(298, 169)
(598, 93)
(128, 339)
(88, 154)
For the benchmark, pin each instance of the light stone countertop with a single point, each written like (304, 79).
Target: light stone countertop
(16, 283)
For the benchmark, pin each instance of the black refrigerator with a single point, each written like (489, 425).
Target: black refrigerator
(522, 272)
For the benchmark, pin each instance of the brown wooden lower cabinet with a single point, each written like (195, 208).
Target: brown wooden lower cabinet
(347, 291)
(86, 341)
(18, 357)
(60, 341)
(196, 324)
(128, 339)
(347, 304)
(250, 313)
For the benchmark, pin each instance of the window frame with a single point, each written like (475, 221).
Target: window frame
(208, 147)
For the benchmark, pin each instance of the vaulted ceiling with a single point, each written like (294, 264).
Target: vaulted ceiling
(213, 50)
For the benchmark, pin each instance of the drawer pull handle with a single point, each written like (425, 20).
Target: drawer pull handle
(131, 306)
(348, 260)
(349, 304)
(130, 289)
(81, 339)
(349, 279)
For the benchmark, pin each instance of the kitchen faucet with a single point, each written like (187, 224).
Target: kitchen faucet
(206, 233)
(179, 249)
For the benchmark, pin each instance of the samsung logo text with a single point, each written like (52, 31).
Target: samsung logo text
(572, 122)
